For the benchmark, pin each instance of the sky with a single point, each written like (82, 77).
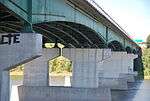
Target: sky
(132, 15)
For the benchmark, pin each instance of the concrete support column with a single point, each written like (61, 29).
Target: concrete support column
(112, 67)
(128, 64)
(130, 61)
(36, 72)
(86, 66)
(4, 86)
(27, 47)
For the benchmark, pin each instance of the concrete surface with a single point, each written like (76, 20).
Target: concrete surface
(31, 93)
(36, 72)
(86, 65)
(30, 47)
(114, 83)
(4, 85)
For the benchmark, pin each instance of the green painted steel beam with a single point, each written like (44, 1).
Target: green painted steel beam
(32, 11)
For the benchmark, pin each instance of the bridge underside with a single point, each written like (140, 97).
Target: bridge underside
(79, 39)
(116, 46)
(68, 33)
(9, 22)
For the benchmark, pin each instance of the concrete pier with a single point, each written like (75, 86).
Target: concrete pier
(4, 86)
(112, 68)
(86, 65)
(43, 93)
(26, 47)
(128, 65)
(84, 85)
(36, 72)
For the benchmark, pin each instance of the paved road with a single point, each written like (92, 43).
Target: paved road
(139, 91)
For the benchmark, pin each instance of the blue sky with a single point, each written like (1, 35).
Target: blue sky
(132, 15)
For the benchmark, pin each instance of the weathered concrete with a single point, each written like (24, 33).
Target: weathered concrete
(127, 66)
(84, 61)
(117, 83)
(117, 71)
(27, 47)
(130, 61)
(60, 80)
(4, 86)
(36, 72)
(30, 47)
(63, 94)
(129, 77)
(86, 66)
(112, 67)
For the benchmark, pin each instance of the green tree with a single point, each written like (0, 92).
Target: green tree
(146, 61)
(18, 68)
(148, 41)
(60, 65)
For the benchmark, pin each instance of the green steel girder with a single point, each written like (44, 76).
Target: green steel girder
(59, 28)
(22, 8)
(50, 34)
(91, 34)
(63, 34)
(16, 26)
(9, 22)
(20, 15)
(8, 29)
(73, 33)
(28, 12)
(77, 34)
(60, 34)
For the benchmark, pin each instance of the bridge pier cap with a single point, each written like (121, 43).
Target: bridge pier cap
(21, 48)
(16, 49)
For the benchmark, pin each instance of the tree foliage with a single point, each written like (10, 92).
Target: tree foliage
(18, 68)
(60, 65)
(146, 61)
(148, 41)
